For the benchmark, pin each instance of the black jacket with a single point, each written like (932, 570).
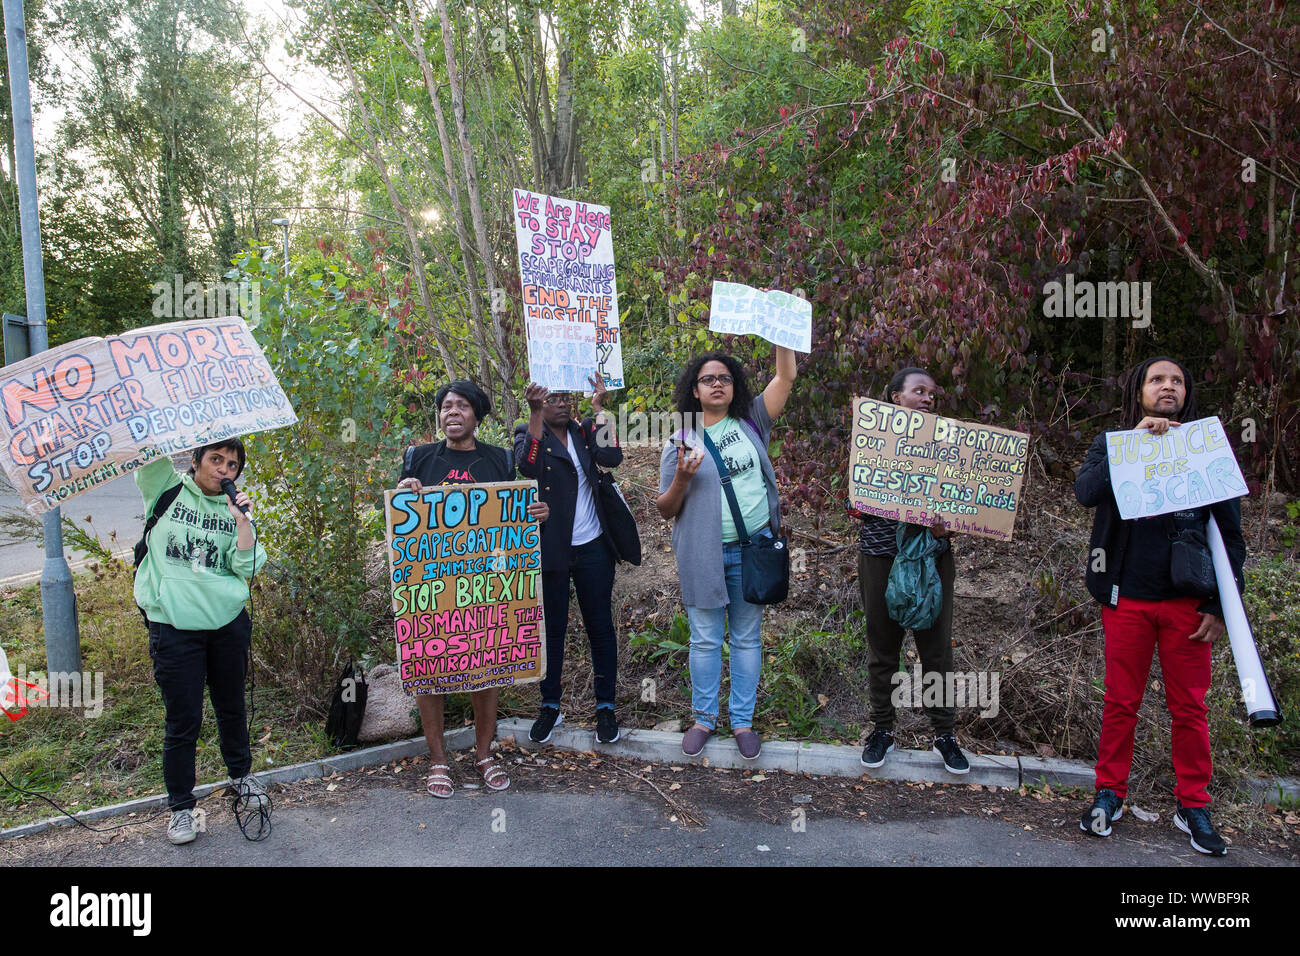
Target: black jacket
(549, 463)
(1111, 533)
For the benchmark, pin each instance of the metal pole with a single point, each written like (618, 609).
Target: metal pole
(58, 601)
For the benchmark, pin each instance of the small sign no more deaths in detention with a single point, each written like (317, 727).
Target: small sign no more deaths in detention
(779, 317)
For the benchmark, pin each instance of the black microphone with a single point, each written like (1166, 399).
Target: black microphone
(229, 488)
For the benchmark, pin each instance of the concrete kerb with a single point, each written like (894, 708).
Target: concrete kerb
(459, 739)
(824, 760)
(664, 747)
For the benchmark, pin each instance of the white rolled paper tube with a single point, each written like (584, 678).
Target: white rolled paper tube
(1255, 690)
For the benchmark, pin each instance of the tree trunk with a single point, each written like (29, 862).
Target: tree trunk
(511, 401)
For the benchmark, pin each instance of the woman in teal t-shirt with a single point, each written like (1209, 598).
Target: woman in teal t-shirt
(713, 395)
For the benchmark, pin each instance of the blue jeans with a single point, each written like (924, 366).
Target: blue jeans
(744, 622)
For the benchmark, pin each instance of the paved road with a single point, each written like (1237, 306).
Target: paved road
(115, 507)
(392, 826)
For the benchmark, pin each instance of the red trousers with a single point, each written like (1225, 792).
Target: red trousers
(1133, 630)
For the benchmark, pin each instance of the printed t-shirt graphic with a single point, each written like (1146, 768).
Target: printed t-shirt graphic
(741, 458)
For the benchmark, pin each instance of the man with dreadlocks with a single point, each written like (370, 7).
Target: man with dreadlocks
(1142, 610)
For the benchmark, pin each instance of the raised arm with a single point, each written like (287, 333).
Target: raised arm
(778, 390)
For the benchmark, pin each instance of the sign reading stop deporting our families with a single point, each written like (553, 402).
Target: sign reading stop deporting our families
(1190, 465)
(912, 466)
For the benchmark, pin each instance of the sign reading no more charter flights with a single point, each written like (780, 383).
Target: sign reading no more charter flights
(910, 466)
(566, 272)
(82, 414)
(1190, 465)
(465, 566)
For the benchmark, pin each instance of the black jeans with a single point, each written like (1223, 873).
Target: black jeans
(183, 661)
(591, 567)
(885, 640)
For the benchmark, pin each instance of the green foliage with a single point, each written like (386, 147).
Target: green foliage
(655, 646)
(323, 477)
(1273, 606)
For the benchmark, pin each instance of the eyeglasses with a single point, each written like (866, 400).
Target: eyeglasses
(556, 400)
(715, 380)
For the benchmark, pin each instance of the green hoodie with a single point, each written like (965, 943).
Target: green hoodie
(194, 577)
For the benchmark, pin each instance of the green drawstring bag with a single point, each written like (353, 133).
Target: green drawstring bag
(914, 594)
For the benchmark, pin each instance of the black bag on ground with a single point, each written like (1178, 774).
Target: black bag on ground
(764, 562)
(142, 546)
(620, 524)
(1191, 569)
(347, 708)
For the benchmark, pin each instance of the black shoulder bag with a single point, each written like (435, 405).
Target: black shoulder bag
(620, 524)
(1191, 569)
(765, 563)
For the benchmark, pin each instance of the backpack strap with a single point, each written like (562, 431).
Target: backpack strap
(159, 509)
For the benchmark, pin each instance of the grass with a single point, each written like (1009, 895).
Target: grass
(81, 761)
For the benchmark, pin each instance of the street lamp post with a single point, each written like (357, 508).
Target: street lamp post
(58, 600)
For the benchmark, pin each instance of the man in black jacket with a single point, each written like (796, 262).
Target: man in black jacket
(1142, 610)
(561, 454)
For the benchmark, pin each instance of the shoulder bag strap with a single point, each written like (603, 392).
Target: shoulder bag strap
(724, 476)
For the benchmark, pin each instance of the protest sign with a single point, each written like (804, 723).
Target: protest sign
(562, 354)
(779, 317)
(910, 466)
(566, 268)
(1190, 465)
(77, 416)
(465, 565)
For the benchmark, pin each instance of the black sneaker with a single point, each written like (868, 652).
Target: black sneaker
(954, 761)
(1195, 822)
(606, 726)
(544, 724)
(879, 743)
(1107, 807)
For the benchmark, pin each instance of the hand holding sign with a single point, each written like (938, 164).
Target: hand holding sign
(1166, 466)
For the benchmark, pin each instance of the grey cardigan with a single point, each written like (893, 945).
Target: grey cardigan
(697, 529)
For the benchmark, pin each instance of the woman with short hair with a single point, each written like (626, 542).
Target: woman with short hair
(909, 387)
(460, 459)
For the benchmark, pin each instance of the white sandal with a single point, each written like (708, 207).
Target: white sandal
(439, 780)
(493, 770)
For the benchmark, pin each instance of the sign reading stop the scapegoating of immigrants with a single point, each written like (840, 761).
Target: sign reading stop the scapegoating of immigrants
(1190, 465)
(566, 271)
(910, 466)
(465, 565)
(85, 413)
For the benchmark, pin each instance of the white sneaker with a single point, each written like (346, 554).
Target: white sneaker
(250, 791)
(181, 828)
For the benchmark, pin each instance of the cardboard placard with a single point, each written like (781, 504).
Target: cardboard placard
(465, 567)
(85, 413)
(910, 466)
